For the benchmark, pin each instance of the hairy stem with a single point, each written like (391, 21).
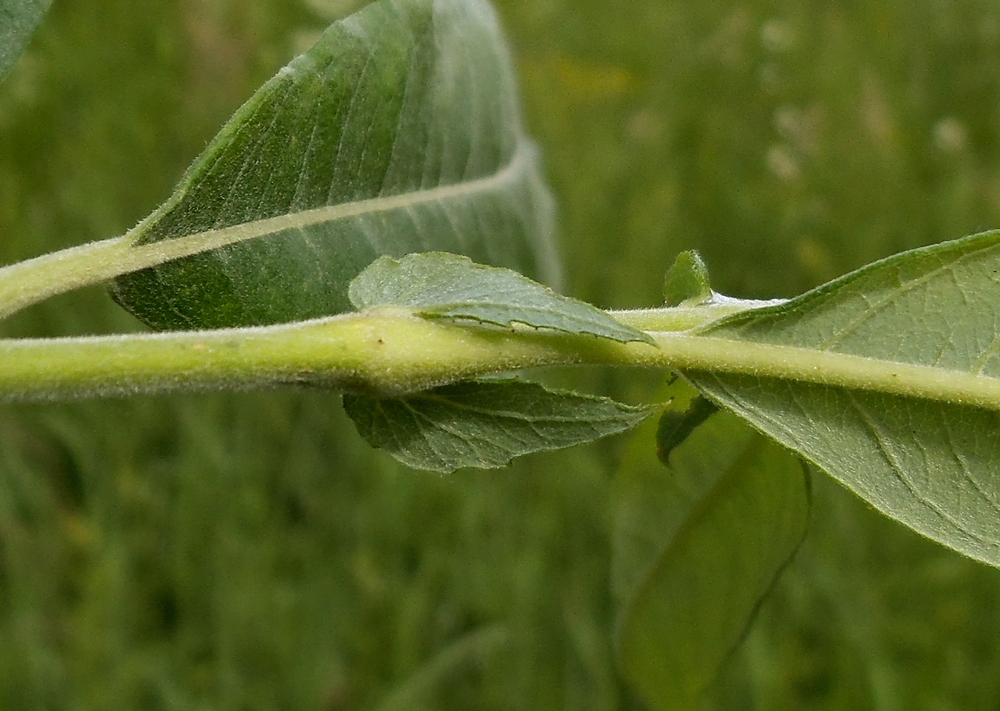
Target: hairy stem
(35, 280)
(390, 351)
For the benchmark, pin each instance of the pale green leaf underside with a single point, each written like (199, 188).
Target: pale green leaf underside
(397, 132)
(18, 20)
(485, 424)
(439, 285)
(718, 527)
(935, 466)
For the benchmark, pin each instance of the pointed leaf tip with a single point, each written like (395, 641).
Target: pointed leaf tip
(485, 423)
(441, 285)
(687, 281)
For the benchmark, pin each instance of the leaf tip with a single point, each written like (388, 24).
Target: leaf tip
(686, 282)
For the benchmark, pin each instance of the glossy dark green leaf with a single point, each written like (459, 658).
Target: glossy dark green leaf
(687, 281)
(397, 132)
(18, 20)
(485, 423)
(930, 464)
(440, 285)
(710, 536)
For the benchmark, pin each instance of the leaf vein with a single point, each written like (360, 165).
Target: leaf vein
(903, 288)
(882, 444)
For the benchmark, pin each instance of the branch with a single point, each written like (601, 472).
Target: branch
(389, 351)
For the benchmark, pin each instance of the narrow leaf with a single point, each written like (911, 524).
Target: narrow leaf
(439, 285)
(726, 518)
(929, 463)
(485, 424)
(397, 132)
(18, 20)
(687, 281)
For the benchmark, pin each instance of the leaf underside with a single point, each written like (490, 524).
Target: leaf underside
(439, 285)
(712, 534)
(485, 423)
(930, 465)
(397, 132)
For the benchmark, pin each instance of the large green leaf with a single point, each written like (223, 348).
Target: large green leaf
(18, 20)
(397, 132)
(697, 548)
(485, 423)
(933, 465)
(440, 285)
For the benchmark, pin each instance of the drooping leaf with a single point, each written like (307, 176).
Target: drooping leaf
(398, 131)
(712, 534)
(687, 281)
(675, 427)
(18, 20)
(933, 465)
(648, 507)
(440, 285)
(485, 423)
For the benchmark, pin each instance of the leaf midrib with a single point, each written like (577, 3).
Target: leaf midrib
(105, 260)
(188, 245)
(829, 368)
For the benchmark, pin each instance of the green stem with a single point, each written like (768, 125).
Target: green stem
(392, 352)
(34, 280)
(683, 318)
(388, 351)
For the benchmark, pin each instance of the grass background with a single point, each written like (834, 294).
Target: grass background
(245, 551)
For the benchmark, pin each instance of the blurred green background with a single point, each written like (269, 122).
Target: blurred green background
(246, 551)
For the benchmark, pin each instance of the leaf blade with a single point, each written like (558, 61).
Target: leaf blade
(447, 286)
(719, 526)
(397, 132)
(927, 464)
(485, 424)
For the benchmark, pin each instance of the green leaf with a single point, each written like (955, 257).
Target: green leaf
(931, 464)
(687, 282)
(675, 427)
(485, 423)
(702, 545)
(18, 20)
(439, 285)
(397, 132)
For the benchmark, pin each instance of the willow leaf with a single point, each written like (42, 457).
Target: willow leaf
(18, 20)
(397, 132)
(485, 423)
(698, 546)
(447, 286)
(923, 458)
